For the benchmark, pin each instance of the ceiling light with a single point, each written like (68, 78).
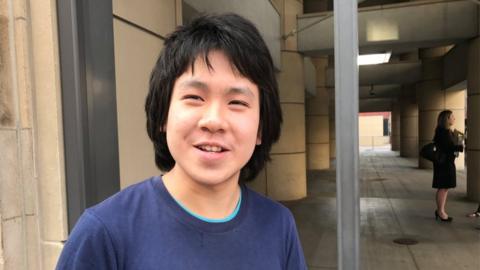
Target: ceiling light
(373, 59)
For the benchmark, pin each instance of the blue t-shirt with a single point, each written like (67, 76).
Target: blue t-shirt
(142, 227)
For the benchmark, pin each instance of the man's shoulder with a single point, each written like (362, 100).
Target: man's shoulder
(267, 207)
(126, 201)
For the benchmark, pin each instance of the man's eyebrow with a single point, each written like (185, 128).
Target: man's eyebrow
(194, 83)
(204, 87)
(240, 90)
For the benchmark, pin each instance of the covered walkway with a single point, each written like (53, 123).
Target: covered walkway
(397, 201)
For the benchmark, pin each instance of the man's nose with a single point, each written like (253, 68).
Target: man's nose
(213, 119)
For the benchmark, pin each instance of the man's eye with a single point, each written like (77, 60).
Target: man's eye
(192, 97)
(239, 102)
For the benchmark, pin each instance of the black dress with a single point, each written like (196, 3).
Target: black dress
(444, 174)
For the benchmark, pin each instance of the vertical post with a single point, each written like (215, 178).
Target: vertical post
(346, 114)
(87, 67)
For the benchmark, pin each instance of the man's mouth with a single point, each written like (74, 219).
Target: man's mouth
(211, 148)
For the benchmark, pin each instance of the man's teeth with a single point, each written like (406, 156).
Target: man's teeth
(209, 148)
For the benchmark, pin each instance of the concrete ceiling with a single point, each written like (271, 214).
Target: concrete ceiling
(397, 27)
(389, 73)
(392, 27)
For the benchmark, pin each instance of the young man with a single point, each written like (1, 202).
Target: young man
(213, 113)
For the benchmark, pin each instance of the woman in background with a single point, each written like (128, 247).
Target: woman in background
(444, 173)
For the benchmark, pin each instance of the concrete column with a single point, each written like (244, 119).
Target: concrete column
(473, 118)
(432, 99)
(284, 178)
(395, 136)
(408, 122)
(317, 122)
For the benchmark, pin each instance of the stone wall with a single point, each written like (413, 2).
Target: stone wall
(32, 189)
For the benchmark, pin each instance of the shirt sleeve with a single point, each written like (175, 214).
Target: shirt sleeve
(444, 141)
(295, 257)
(89, 246)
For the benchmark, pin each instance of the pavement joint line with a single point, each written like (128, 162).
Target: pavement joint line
(396, 216)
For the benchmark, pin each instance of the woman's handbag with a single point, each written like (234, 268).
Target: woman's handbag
(430, 152)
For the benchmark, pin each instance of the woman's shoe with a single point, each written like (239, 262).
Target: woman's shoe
(437, 216)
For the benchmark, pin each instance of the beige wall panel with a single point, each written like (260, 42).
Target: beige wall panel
(432, 68)
(292, 138)
(365, 141)
(292, 9)
(318, 105)
(178, 12)
(32, 241)
(317, 129)
(459, 119)
(49, 152)
(380, 141)
(427, 122)
(7, 108)
(395, 136)
(409, 147)
(29, 180)
(278, 5)
(50, 254)
(473, 175)
(286, 177)
(370, 125)
(290, 79)
(331, 115)
(455, 100)
(13, 244)
(158, 16)
(333, 149)
(135, 55)
(23, 67)
(430, 96)
(409, 127)
(460, 161)
(321, 64)
(11, 194)
(318, 156)
(259, 184)
(408, 109)
(473, 71)
(474, 122)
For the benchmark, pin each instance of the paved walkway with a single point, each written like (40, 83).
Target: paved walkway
(397, 201)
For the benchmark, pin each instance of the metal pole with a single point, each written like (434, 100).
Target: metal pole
(88, 102)
(346, 114)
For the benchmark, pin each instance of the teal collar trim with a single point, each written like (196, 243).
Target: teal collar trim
(210, 220)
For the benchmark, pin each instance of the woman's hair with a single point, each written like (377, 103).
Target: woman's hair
(442, 120)
(241, 42)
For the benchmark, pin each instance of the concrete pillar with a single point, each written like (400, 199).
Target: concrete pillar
(432, 99)
(284, 177)
(408, 122)
(473, 121)
(395, 135)
(317, 121)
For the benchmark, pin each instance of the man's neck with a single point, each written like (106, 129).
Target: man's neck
(213, 202)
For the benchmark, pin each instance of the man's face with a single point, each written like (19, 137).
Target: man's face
(213, 120)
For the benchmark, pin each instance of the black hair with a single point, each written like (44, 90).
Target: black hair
(442, 120)
(243, 45)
